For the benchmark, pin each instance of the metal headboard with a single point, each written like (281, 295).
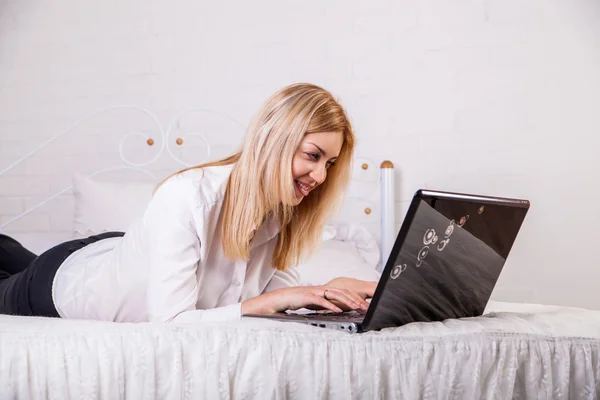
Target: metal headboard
(370, 200)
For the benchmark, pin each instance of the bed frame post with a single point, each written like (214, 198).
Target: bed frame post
(388, 214)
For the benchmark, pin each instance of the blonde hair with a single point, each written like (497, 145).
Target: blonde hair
(261, 184)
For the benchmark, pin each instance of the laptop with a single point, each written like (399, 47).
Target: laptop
(445, 263)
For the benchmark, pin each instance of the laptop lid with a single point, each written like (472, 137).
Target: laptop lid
(447, 258)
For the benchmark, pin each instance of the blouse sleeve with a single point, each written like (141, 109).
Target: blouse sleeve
(283, 279)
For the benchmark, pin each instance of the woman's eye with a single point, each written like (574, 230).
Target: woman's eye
(314, 156)
(330, 164)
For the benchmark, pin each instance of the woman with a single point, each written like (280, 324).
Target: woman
(216, 241)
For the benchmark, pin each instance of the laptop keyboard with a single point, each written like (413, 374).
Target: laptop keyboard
(348, 316)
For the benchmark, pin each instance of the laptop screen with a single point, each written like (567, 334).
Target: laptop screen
(449, 261)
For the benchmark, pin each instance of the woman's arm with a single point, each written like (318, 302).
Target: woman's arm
(174, 252)
(294, 298)
(283, 293)
(282, 279)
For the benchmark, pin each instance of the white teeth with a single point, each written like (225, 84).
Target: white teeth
(303, 186)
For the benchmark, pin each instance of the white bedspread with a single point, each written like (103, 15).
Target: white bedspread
(553, 354)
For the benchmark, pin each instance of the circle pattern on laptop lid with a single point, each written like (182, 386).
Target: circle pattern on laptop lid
(430, 237)
(422, 255)
(443, 244)
(397, 270)
(450, 229)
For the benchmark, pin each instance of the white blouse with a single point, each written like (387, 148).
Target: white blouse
(170, 265)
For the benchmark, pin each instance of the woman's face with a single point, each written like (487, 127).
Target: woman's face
(316, 153)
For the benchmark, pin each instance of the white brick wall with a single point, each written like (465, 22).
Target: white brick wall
(490, 96)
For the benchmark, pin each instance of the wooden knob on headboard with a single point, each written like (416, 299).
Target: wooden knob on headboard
(387, 164)
(150, 142)
(365, 166)
(367, 211)
(179, 141)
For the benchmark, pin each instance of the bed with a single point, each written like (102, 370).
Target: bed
(519, 351)
(530, 354)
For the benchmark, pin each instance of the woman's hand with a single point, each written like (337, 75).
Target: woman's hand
(363, 288)
(294, 298)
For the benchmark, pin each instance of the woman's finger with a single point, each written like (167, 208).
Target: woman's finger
(320, 301)
(356, 297)
(337, 294)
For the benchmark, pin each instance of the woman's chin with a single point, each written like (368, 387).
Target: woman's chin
(296, 200)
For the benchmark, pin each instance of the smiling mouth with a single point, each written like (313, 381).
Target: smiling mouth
(302, 188)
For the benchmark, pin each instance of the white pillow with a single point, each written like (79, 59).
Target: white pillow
(364, 242)
(102, 206)
(333, 259)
